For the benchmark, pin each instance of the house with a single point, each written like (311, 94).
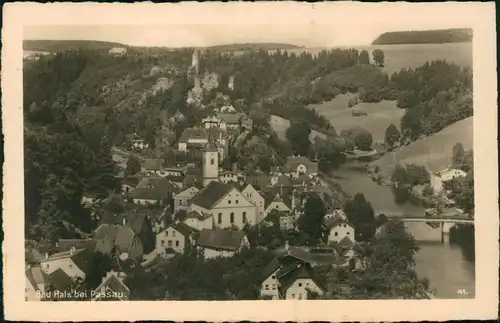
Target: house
(197, 138)
(226, 203)
(136, 142)
(181, 199)
(199, 221)
(63, 245)
(112, 288)
(177, 181)
(297, 165)
(232, 120)
(228, 176)
(178, 237)
(120, 239)
(153, 167)
(90, 198)
(74, 262)
(287, 222)
(179, 170)
(288, 281)
(299, 284)
(277, 203)
(335, 213)
(338, 229)
(448, 174)
(37, 282)
(152, 190)
(128, 184)
(257, 199)
(213, 122)
(221, 243)
(118, 51)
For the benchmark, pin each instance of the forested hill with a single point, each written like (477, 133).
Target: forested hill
(252, 47)
(55, 46)
(425, 37)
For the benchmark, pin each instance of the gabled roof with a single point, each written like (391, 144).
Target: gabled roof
(211, 194)
(183, 192)
(153, 194)
(153, 164)
(153, 188)
(115, 284)
(220, 239)
(299, 272)
(292, 163)
(332, 222)
(36, 276)
(60, 280)
(273, 266)
(117, 235)
(301, 254)
(183, 228)
(66, 244)
(136, 221)
(258, 180)
(231, 118)
(196, 215)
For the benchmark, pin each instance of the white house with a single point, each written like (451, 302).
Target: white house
(276, 204)
(36, 283)
(199, 221)
(226, 203)
(298, 165)
(74, 262)
(181, 199)
(299, 285)
(195, 137)
(213, 122)
(221, 243)
(118, 51)
(227, 176)
(176, 237)
(270, 284)
(258, 200)
(443, 176)
(338, 229)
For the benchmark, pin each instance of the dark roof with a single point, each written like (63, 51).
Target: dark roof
(153, 164)
(115, 284)
(131, 181)
(300, 254)
(136, 221)
(117, 235)
(220, 239)
(258, 180)
(292, 163)
(175, 178)
(60, 280)
(299, 272)
(83, 259)
(193, 133)
(332, 222)
(149, 194)
(183, 228)
(67, 244)
(211, 194)
(273, 266)
(196, 215)
(231, 118)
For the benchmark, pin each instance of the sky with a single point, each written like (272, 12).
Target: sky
(309, 26)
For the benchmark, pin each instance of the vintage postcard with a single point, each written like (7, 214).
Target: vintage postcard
(250, 161)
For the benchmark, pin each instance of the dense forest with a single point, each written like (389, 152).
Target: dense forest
(458, 35)
(64, 45)
(251, 47)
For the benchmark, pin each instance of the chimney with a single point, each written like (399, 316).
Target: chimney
(72, 251)
(124, 221)
(46, 255)
(287, 245)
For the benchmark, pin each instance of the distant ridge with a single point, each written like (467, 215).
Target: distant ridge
(64, 45)
(252, 47)
(442, 36)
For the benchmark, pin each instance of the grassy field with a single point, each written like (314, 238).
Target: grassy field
(434, 151)
(280, 125)
(380, 115)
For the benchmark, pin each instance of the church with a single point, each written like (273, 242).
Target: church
(225, 203)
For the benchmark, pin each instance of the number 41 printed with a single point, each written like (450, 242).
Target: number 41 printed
(462, 291)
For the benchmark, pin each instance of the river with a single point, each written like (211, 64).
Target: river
(443, 264)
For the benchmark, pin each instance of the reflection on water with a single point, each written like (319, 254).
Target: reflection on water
(444, 265)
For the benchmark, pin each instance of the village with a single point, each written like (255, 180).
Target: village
(203, 210)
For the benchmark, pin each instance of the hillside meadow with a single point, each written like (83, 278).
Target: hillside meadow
(434, 151)
(380, 115)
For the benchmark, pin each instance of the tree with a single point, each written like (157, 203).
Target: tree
(392, 135)
(360, 214)
(462, 191)
(133, 166)
(363, 140)
(312, 220)
(378, 57)
(462, 159)
(298, 136)
(364, 57)
(330, 153)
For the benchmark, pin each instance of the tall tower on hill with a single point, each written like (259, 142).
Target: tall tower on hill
(210, 163)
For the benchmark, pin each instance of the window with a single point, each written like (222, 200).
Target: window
(229, 202)
(47, 266)
(274, 286)
(173, 233)
(166, 233)
(162, 243)
(293, 295)
(231, 217)
(212, 161)
(267, 287)
(236, 201)
(177, 243)
(276, 205)
(244, 217)
(336, 234)
(300, 296)
(170, 243)
(307, 284)
(348, 232)
(273, 276)
(300, 284)
(70, 265)
(219, 218)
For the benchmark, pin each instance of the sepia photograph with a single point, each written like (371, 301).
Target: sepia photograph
(253, 161)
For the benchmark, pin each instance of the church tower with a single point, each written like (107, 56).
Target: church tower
(210, 163)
